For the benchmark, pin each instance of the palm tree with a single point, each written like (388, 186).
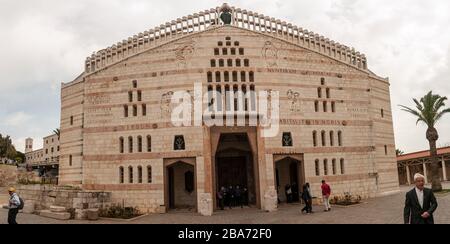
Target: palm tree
(57, 132)
(429, 112)
(399, 152)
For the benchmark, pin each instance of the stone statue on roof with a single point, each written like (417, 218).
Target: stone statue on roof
(225, 15)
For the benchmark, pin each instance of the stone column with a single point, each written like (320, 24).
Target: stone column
(444, 170)
(425, 172)
(408, 175)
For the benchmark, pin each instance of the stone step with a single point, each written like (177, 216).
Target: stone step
(55, 215)
(57, 209)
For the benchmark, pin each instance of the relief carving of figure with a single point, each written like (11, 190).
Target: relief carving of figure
(270, 54)
(184, 52)
(294, 98)
(166, 101)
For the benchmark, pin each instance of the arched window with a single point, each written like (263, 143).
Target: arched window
(385, 150)
(130, 96)
(71, 120)
(314, 134)
(241, 51)
(224, 51)
(144, 110)
(216, 51)
(319, 92)
(251, 76)
(235, 76)
(228, 44)
(149, 174)
(70, 160)
(213, 63)
(139, 143)
(325, 166)
(220, 44)
(323, 139)
(328, 93)
(233, 51)
(317, 167)
(149, 143)
(135, 84)
(340, 138)
(226, 76)
(243, 77)
(246, 63)
(221, 63)
(140, 174)
(230, 62)
(218, 77)
(236, 44)
(130, 144)
(332, 138)
(322, 81)
(135, 110)
(130, 175)
(382, 113)
(238, 63)
(333, 107)
(121, 175)
(121, 145)
(287, 139)
(210, 77)
(333, 165)
(342, 166)
(139, 96)
(179, 143)
(325, 106)
(316, 106)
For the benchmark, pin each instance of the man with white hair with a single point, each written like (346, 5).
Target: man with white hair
(420, 203)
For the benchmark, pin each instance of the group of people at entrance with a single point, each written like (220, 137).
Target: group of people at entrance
(294, 195)
(232, 197)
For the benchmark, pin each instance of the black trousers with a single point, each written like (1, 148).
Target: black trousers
(12, 214)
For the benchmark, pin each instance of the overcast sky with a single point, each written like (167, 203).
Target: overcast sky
(45, 42)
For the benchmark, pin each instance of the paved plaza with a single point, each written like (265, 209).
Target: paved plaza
(385, 210)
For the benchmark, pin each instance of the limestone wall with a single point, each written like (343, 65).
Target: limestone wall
(46, 196)
(8, 175)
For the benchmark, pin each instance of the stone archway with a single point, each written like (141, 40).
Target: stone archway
(289, 170)
(234, 149)
(180, 184)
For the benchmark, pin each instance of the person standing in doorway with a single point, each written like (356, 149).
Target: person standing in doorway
(326, 193)
(288, 191)
(231, 197)
(420, 203)
(238, 196)
(220, 198)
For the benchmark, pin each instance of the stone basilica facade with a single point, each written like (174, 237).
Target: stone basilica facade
(335, 116)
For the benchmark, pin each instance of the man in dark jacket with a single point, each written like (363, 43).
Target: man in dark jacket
(420, 203)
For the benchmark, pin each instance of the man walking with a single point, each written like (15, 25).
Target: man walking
(326, 193)
(420, 203)
(14, 205)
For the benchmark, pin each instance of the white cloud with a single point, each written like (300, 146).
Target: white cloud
(48, 40)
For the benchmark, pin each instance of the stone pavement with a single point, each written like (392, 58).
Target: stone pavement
(385, 210)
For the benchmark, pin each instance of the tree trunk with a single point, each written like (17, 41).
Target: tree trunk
(432, 137)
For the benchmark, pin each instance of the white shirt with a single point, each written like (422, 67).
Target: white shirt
(14, 201)
(420, 196)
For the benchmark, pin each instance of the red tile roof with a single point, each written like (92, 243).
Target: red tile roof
(422, 154)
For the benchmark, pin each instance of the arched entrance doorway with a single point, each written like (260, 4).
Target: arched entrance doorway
(181, 189)
(235, 166)
(289, 174)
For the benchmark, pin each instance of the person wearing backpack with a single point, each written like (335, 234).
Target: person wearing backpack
(15, 204)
